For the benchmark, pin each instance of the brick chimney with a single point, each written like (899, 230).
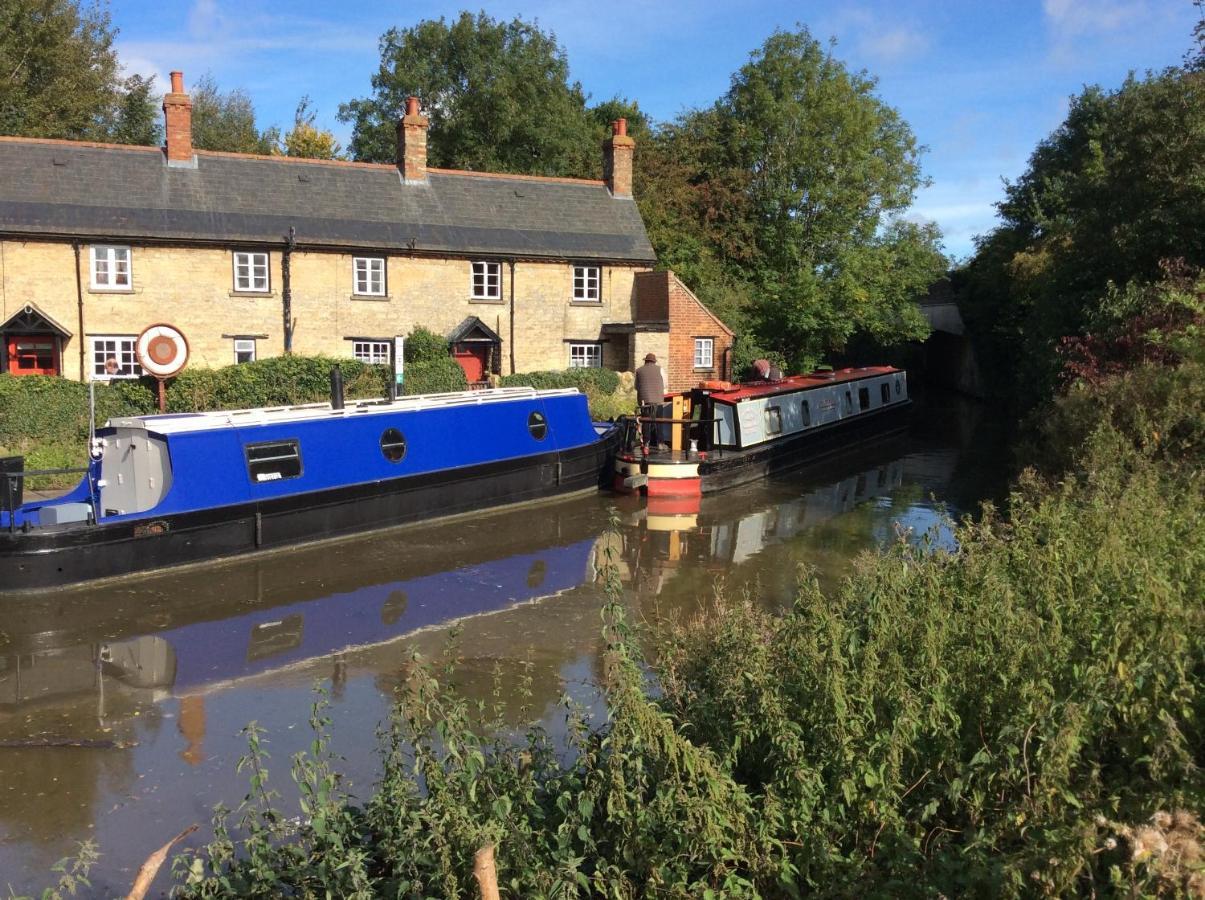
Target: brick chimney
(177, 114)
(412, 143)
(617, 159)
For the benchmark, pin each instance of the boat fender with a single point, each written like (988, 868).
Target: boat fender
(96, 449)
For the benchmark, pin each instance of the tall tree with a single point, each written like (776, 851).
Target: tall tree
(1110, 195)
(136, 118)
(226, 121)
(58, 69)
(797, 179)
(305, 139)
(497, 93)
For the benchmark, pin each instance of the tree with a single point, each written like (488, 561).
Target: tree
(796, 179)
(136, 118)
(226, 121)
(58, 69)
(1110, 196)
(307, 140)
(497, 94)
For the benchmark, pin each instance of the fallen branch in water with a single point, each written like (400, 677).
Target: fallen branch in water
(150, 868)
(89, 743)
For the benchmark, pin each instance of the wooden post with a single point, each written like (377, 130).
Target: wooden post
(485, 873)
(675, 440)
(162, 394)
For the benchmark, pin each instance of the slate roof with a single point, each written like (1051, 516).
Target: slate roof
(103, 192)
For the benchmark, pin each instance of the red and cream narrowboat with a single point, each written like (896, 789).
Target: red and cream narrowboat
(719, 435)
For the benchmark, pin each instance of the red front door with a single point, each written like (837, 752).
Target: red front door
(472, 360)
(32, 354)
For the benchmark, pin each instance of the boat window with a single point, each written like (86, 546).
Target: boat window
(273, 461)
(885, 392)
(848, 405)
(898, 388)
(805, 413)
(393, 445)
(863, 398)
(537, 425)
(773, 420)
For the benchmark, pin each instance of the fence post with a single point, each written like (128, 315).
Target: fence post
(485, 872)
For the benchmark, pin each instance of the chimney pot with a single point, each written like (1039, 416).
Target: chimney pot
(412, 106)
(177, 82)
(621, 127)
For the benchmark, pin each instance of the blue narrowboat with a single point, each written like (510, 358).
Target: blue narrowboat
(168, 490)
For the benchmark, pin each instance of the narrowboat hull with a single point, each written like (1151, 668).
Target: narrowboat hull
(686, 474)
(56, 557)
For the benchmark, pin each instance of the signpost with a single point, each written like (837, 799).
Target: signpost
(399, 365)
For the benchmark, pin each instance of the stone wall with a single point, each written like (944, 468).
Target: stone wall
(192, 288)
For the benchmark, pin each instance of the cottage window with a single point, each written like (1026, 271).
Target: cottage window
(244, 350)
(586, 282)
(114, 356)
(110, 268)
(373, 352)
(704, 353)
(273, 461)
(251, 273)
(369, 277)
(585, 356)
(487, 281)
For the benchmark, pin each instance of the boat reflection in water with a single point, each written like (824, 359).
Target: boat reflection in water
(200, 631)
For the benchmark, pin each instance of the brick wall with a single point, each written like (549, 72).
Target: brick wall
(688, 319)
(192, 288)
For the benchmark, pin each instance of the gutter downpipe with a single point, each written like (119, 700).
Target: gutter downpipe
(512, 316)
(286, 292)
(79, 297)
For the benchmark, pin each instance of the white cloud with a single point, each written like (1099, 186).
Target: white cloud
(895, 45)
(1076, 17)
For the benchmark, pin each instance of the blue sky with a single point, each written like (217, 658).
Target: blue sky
(979, 82)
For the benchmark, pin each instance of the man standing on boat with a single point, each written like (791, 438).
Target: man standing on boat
(650, 394)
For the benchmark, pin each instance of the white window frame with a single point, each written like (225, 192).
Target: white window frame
(368, 276)
(485, 280)
(704, 353)
(585, 355)
(117, 261)
(245, 345)
(124, 348)
(587, 284)
(259, 271)
(373, 351)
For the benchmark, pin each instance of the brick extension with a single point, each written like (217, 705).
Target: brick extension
(662, 298)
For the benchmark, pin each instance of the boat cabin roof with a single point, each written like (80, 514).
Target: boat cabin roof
(178, 423)
(793, 383)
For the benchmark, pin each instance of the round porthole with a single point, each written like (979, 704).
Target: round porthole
(537, 425)
(393, 445)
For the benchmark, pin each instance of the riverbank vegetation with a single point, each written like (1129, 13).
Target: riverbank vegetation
(1021, 716)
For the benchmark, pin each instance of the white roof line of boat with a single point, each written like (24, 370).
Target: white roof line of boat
(176, 423)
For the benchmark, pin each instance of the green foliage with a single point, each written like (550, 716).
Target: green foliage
(73, 875)
(136, 118)
(781, 205)
(307, 140)
(437, 375)
(603, 381)
(1111, 195)
(277, 381)
(226, 121)
(497, 93)
(424, 345)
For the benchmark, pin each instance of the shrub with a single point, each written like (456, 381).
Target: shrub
(46, 409)
(424, 345)
(604, 381)
(435, 376)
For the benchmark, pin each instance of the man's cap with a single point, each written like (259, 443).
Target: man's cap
(650, 357)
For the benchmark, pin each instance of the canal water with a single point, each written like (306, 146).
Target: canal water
(121, 706)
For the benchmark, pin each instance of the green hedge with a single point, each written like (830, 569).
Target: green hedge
(279, 381)
(437, 375)
(47, 409)
(424, 345)
(604, 381)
